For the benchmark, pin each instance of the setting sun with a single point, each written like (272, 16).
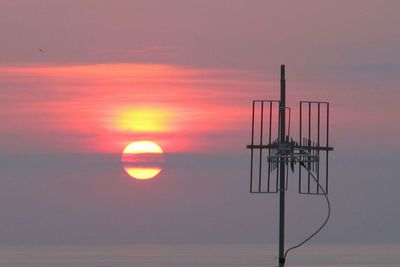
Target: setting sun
(142, 173)
(142, 147)
(142, 159)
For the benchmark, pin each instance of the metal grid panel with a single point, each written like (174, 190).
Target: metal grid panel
(264, 133)
(314, 139)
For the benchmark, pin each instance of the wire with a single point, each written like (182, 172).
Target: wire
(322, 226)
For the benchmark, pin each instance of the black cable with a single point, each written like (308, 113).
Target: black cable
(325, 222)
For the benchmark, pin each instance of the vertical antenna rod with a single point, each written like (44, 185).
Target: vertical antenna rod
(282, 137)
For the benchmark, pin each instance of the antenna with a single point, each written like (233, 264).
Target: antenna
(273, 151)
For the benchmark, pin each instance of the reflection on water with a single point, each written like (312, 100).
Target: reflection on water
(198, 256)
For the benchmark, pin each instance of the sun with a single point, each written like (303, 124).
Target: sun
(142, 147)
(142, 160)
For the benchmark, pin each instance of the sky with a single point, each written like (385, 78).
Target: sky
(75, 74)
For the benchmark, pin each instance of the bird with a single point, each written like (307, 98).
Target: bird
(40, 50)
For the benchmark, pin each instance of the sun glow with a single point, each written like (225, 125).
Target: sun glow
(143, 120)
(142, 159)
(179, 106)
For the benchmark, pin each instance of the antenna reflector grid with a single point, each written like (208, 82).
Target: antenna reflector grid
(314, 144)
(264, 175)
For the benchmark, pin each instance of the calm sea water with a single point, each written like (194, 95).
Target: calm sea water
(198, 256)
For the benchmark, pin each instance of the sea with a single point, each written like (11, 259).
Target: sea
(222, 255)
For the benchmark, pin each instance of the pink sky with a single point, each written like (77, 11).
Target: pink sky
(95, 107)
(200, 60)
(74, 75)
(101, 108)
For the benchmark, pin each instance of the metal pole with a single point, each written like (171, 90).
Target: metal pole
(282, 137)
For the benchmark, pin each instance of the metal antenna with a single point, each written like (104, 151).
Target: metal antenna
(282, 139)
(272, 147)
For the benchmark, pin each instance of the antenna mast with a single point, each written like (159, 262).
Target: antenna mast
(282, 138)
(310, 152)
